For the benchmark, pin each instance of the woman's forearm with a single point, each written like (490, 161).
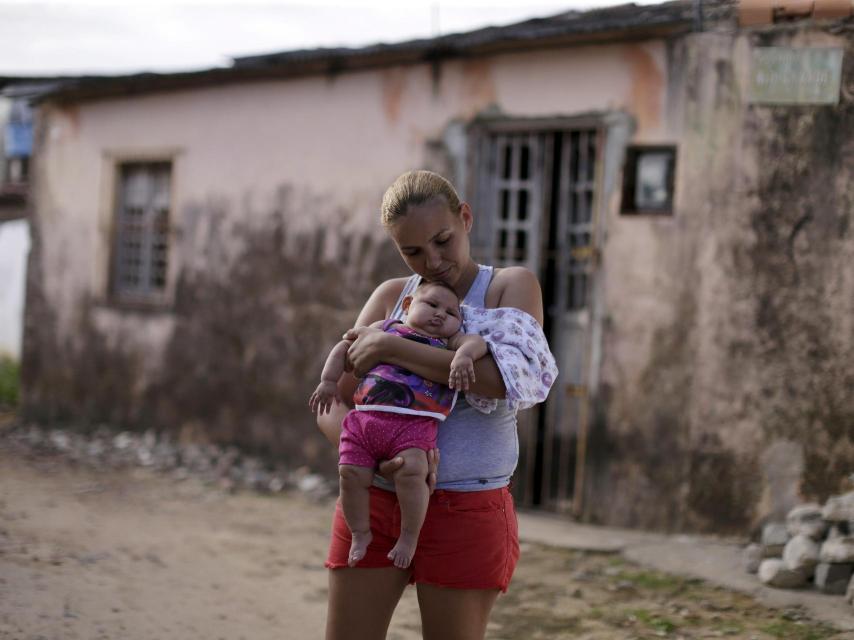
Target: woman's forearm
(435, 364)
(330, 423)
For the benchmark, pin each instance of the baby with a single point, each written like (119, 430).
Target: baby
(397, 414)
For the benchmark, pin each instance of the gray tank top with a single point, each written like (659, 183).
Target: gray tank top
(478, 451)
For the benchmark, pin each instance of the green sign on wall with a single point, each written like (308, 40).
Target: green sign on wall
(783, 75)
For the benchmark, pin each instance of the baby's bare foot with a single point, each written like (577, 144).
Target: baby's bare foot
(403, 551)
(358, 547)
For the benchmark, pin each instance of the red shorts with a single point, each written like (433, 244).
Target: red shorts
(470, 539)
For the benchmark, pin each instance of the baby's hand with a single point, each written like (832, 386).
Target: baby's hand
(462, 372)
(321, 400)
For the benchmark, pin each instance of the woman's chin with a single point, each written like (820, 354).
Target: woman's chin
(448, 277)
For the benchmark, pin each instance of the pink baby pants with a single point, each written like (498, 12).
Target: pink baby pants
(370, 436)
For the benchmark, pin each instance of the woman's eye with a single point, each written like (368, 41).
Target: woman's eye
(443, 240)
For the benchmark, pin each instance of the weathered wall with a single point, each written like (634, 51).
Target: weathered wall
(276, 241)
(14, 246)
(727, 377)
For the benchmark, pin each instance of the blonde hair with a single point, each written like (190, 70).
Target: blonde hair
(415, 188)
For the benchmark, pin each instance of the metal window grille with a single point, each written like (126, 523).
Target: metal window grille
(141, 256)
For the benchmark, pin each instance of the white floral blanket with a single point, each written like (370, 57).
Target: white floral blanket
(520, 350)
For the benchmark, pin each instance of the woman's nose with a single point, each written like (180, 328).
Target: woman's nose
(433, 260)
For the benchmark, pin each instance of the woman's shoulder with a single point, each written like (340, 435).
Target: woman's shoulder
(390, 290)
(516, 287)
(383, 300)
(509, 280)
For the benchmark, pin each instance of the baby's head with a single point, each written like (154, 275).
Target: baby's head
(433, 309)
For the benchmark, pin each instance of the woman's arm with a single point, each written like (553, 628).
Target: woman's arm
(511, 287)
(434, 364)
(518, 287)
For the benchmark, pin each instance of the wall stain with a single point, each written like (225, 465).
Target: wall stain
(478, 85)
(647, 89)
(252, 329)
(393, 90)
(799, 250)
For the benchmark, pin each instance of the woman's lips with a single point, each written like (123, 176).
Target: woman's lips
(441, 275)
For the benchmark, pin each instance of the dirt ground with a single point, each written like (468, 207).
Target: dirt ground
(129, 554)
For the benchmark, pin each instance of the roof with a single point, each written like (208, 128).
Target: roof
(624, 22)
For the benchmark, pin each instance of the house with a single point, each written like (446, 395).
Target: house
(678, 175)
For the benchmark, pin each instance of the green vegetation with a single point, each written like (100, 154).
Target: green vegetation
(10, 374)
(797, 631)
(655, 580)
(657, 623)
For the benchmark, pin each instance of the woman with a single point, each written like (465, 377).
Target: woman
(469, 545)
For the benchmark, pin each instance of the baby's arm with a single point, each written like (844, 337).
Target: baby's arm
(321, 400)
(469, 347)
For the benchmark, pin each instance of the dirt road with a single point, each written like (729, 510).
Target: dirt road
(128, 554)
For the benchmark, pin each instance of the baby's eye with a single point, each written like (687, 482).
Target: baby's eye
(443, 240)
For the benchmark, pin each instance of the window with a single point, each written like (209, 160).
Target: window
(141, 250)
(648, 179)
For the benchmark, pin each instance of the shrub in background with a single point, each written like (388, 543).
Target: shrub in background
(10, 374)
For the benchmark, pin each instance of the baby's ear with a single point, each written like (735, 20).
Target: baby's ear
(406, 302)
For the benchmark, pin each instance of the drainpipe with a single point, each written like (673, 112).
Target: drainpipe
(698, 15)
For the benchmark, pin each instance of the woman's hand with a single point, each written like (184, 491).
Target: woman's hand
(387, 468)
(366, 351)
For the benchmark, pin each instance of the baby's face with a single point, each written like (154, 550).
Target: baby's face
(434, 311)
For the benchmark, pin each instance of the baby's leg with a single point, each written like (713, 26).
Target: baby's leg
(410, 481)
(356, 505)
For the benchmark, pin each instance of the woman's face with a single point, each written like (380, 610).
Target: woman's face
(434, 241)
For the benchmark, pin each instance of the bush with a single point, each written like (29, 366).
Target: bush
(10, 375)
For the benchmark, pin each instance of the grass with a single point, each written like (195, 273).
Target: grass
(794, 631)
(10, 375)
(654, 580)
(656, 623)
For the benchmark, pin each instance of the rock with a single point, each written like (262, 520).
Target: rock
(833, 578)
(837, 530)
(774, 573)
(801, 553)
(310, 482)
(837, 550)
(774, 534)
(839, 508)
(123, 440)
(751, 557)
(806, 519)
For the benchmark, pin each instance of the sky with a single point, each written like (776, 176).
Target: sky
(117, 36)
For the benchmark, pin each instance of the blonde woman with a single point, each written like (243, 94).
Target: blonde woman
(468, 545)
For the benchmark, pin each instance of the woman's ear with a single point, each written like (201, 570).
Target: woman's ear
(467, 216)
(406, 302)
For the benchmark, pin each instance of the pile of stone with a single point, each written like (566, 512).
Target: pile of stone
(813, 548)
(226, 468)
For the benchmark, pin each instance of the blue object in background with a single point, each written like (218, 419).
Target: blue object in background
(18, 139)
